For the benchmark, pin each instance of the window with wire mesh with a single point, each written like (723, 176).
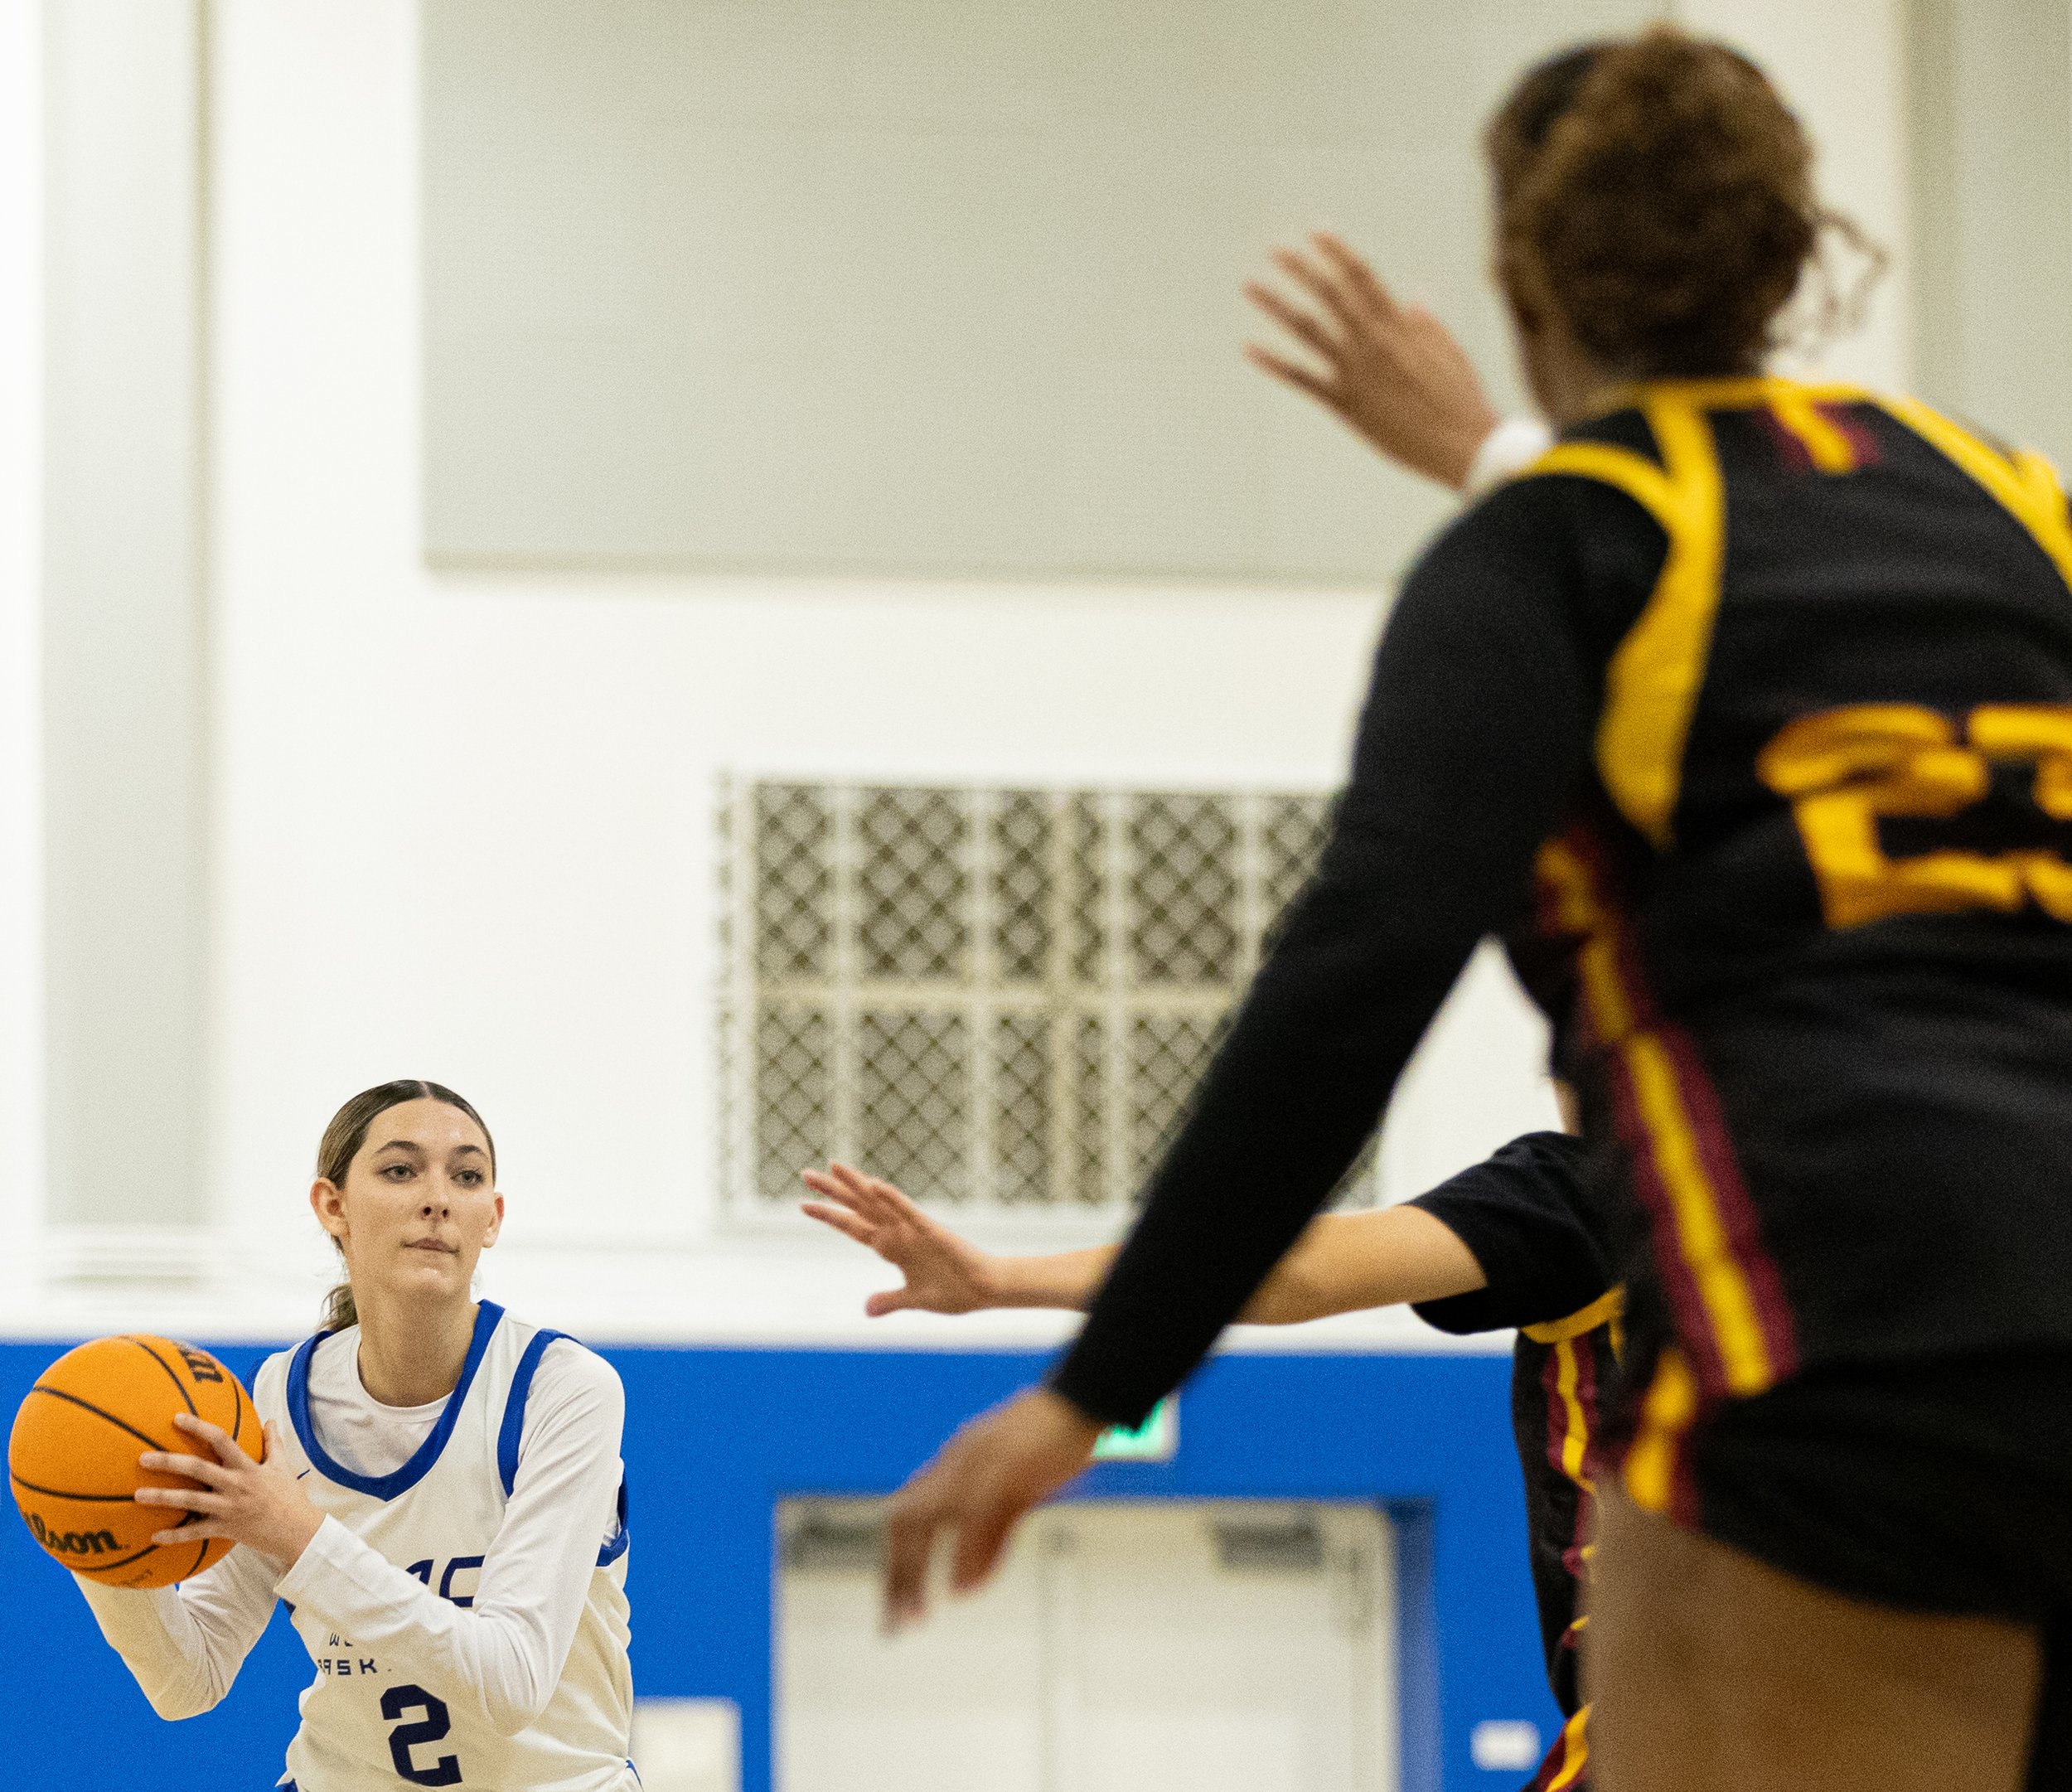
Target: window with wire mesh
(999, 999)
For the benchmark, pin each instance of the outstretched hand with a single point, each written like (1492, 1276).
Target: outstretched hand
(977, 1488)
(943, 1274)
(259, 1504)
(1391, 372)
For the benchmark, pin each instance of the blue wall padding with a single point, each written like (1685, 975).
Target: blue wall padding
(716, 1437)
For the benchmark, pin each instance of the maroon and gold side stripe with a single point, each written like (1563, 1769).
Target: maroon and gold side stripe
(1724, 1289)
(1563, 1767)
(1569, 1379)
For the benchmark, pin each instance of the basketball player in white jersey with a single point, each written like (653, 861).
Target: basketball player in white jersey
(442, 1507)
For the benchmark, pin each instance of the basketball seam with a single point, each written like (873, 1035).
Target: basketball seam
(109, 1568)
(59, 1394)
(171, 1375)
(59, 1493)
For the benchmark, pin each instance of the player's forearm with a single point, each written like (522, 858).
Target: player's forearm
(1068, 1279)
(145, 1629)
(183, 1663)
(495, 1661)
(1347, 1262)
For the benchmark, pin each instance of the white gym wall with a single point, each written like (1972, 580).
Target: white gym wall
(22, 1087)
(459, 822)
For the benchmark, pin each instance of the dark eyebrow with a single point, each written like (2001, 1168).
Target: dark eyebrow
(402, 1145)
(476, 1149)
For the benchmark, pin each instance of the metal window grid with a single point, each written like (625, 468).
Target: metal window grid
(1000, 999)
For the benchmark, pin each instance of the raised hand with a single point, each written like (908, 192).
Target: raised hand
(259, 1504)
(943, 1274)
(1391, 372)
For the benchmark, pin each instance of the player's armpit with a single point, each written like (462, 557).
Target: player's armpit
(1346, 1262)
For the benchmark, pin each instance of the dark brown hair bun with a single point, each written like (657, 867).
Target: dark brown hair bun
(1658, 192)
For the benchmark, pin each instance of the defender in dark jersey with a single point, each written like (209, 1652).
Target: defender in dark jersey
(1518, 1250)
(1757, 701)
(1524, 1216)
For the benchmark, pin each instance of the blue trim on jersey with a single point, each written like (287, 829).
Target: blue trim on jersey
(487, 1315)
(621, 1536)
(514, 1426)
(512, 1430)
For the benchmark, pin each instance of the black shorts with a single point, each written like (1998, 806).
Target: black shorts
(1943, 1487)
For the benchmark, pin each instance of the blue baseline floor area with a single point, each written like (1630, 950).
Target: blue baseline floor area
(715, 1437)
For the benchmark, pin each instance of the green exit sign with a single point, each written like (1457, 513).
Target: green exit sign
(1153, 1441)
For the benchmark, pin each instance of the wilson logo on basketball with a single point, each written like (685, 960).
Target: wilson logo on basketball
(202, 1367)
(71, 1543)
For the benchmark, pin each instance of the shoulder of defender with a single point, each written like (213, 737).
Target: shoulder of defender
(1592, 472)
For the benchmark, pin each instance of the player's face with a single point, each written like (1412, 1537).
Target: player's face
(420, 1202)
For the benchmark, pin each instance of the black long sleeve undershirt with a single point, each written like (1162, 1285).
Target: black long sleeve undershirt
(1474, 735)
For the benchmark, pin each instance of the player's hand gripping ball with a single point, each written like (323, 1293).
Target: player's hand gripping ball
(72, 1457)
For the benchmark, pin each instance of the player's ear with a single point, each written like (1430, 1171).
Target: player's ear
(327, 1201)
(495, 1225)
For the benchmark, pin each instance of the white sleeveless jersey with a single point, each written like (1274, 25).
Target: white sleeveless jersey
(435, 1518)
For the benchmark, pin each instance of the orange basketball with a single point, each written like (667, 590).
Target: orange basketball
(72, 1457)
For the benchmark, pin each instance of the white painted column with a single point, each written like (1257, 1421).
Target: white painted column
(1991, 84)
(124, 725)
(21, 686)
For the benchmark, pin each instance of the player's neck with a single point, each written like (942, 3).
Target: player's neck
(412, 1355)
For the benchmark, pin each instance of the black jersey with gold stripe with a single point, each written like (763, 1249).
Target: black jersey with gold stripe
(1525, 1217)
(1810, 914)
(1746, 717)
